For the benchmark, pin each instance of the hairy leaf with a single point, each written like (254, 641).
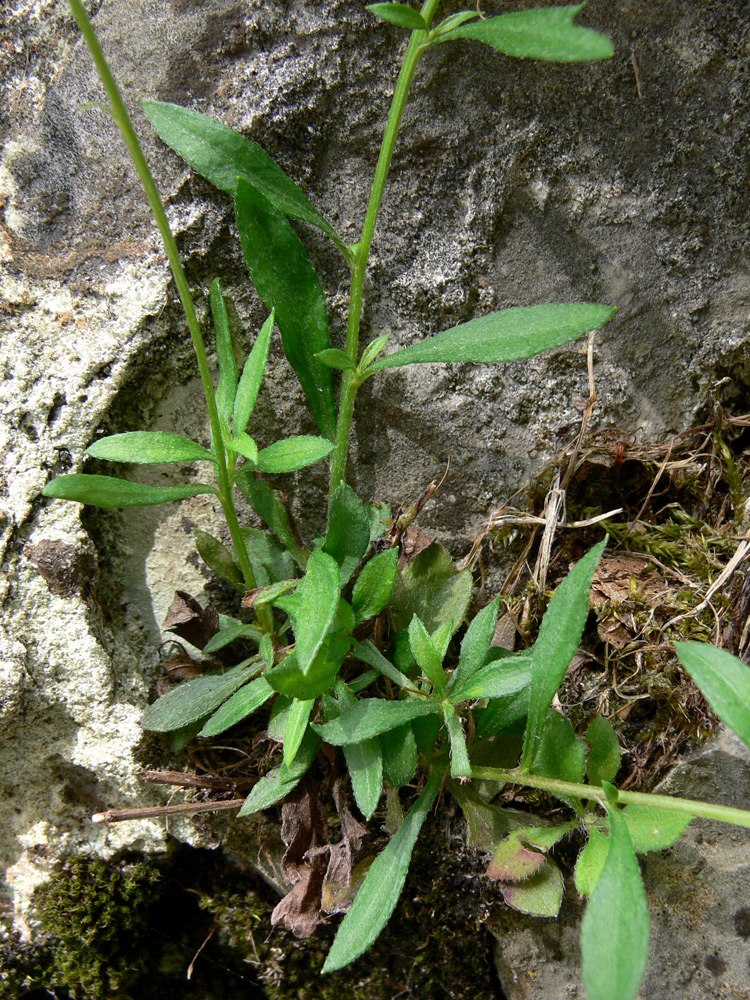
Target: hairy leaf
(194, 699)
(459, 755)
(591, 861)
(295, 729)
(106, 491)
(374, 585)
(540, 896)
(372, 716)
(429, 587)
(320, 598)
(724, 680)
(653, 829)
(399, 14)
(334, 358)
(428, 658)
(348, 535)
(368, 653)
(226, 390)
(293, 453)
(500, 679)
(559, 754)
(148, 448)
(475, 645)
(365, 764)
(218, 558)
(275, 786)
(400, 757)
(252, 376)
(242, 703)
(269, 507)
(603, 761)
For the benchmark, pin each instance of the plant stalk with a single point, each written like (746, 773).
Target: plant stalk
(351, 381)
(123, 122)
(705, 810)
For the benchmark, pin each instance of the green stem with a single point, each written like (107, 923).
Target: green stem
(351, 381)
(122, 119)
(706, 810)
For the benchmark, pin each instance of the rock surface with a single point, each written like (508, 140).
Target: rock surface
(514, 183)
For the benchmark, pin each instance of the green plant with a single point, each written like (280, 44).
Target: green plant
(315, 605)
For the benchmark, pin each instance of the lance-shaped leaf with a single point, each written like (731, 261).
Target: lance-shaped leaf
(288, 679)
(334, 358)
(287, 282)
(541, 33)
(559, 753)
(252, 376)
(603, 761)
(559, 636)
(218, 558)
(293, 453)
(615, 928)
(591, 861)
(379, 893)
(244, 445)
(453, 21)
(348, 535)
(429, 587)
(400, 756)
(276, 785)
(724, 680)
(148, 448)
(374, 585)
(459, 754)
(372, 350)
(242, 703)
(399, 14)
(501, 713)
(475, 645)
(194, 699)
(295, 729)
(222, 155)
(508, 335)
(500, 679)
(427, 656)
(372, 656)
(320, 599)
(227, 387)
(106, 491)
(268, 505)
(231, 633)
(364, 762)
(372, 716)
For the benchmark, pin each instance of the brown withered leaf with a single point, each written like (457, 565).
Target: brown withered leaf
(342, 854)
(190, 621)
(622, 583)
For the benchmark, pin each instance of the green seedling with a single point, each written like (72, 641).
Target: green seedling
(403, 708)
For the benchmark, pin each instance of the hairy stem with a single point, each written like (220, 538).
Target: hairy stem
(350, 383)
(122, 119)
(706, 810)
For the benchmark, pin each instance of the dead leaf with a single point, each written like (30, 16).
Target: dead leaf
(190, 621)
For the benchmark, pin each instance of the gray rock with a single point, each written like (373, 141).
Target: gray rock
(514, 183)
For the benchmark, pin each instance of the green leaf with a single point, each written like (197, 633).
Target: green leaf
(615, 928)
(244, 445)
(500, 679)
(226, 390)
(400, 756)
(293, 453)
(454, 21)
(501, 713)
(459, 754)
(399, 14)
(268, 595)
(603, 761)
(475, 645)
(348, 535)
(365, 764)
(559, 754)
(287, 282)
(540, 896)
(243, 703)
(222, 156)
(320, 598)
(252, 376)
(541, 33)
(653, 829)
(372, 350)
(366, 652)
(275, 786)
(288, 679)
(486, 824)
(218, 558)
(724, 680)
(374, 585)
(559, 636)
(427, 657)
(148, 448)
(379, 893)
(106, 491)
(268, 505)
(230, 634)
(591, 861)
(271, 563)
(295, 729)
(194, 699)
(429, 587)
(334, 358)
(370, 717)
(508, 335)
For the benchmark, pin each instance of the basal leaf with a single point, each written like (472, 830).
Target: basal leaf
(230, 634)
(508, 335)
(320, 598)
(268, 505)
(603, 761)
(379, 893)
(106, 491)
(288, 679)
(348, 535)
(364, 762)
(427, 657)
(500, 679)
(271, 563)
(399, 14)
(590, 861)
(242, 703)
(275, 786)
(148, 448)
(372, 656)
(501, 713)
(293, 453)
(615, 928)
(724, 680)
(374, 585)
(222, 155)
(559, 754)
(559, 636)
(514, 860)
(475, 645)
(540, 896)
(194, 699)
(252, 376)
(653, 829)
(226, 390)
(372, 716)
(296, 727)
(287, 282)
(459, 754)
(400, 757)
(429, 587)
(540, 33)
(218, 558)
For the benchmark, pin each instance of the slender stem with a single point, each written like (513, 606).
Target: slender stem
(350, 383)
(122, 119)
(706, 810)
